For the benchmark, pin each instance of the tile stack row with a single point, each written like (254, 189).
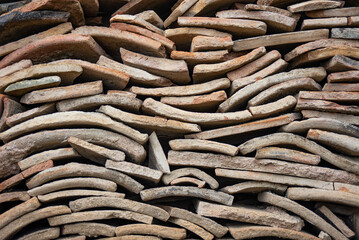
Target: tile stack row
(195, 119)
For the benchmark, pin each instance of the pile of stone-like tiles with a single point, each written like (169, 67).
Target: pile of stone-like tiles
(157, 119)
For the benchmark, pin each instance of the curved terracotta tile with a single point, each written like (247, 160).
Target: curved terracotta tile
(126, 204)
(71, 6)
(57, 47)
(12, 46)
(16, 25)
(249, 232)
(112, 40)
(20, 148)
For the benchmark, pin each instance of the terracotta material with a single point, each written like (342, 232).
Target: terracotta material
(179, 11)
(89, 229)
(47, 233)
(151, 17)
(313, 5)
(277, 3)
(202, 145)
(339, 197)
(250, 215)
(16, 24)
(207, 6)
(287, 155)
(154, 107)
(280, 39)
(194, 58)
(298, 209)
(200, 103)
(246, 232)
(194, 172)
(178, 191)
(237, 27)
(346, 118)
(156, 156)
(204, 43)
(20, 88)
(17, 150)
(15, 67)
(94, 183)
(207, 223)
(273, 178)
(336, 12)
(244, 128)
(156, 230)
(346, 33)
(126, 204)
(341, 142)
(58, 30)
(98, 215)
(111, 78)
(73, 170)
(194, 89)
(343, 162)
(135, 170)
(205, 72)
(326, 106)
(10, 108)
(176, 70)
(130, 103)
(14, 196)
(185, 158)
(240, 97)
(137, 76)
(7, 7)
(275, 21)
(284, 88)
(170, 45)
(62, 93)
(348, 76)
(37, 168)
(341, 87)
(192, 227)
(254, 66)
(275, 67)
(75, 193)
(112, 40)
(10, 182)
(54, 155)
(90, 8)
(18, 211)
(254, 187)
(150, 123)
(183, 181)
(67, 73)
(56, 47)
(347, 97)
(255, 7)
(183, 36)
(340, 63)
(336, 221)
(94, 152)
(273, 108)
(136, 20)
(137, 6)
(15, 226)
(324, 53)
(329, 43)
(72, 6)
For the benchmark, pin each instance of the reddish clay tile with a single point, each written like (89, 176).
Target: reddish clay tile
(71, 6)
(57, 47)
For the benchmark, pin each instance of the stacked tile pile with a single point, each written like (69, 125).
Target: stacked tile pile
(196, 119)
